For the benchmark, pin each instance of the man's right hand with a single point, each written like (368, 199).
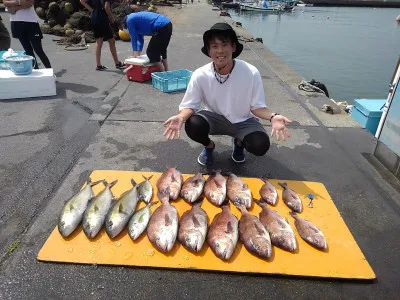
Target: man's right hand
(174, 125)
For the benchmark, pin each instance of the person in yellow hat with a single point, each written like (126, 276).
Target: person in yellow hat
(232, 94)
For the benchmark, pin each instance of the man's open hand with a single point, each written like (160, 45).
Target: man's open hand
(174, 125)
(278, 124)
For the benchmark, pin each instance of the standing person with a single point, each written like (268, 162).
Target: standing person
(101, 17)
(5, 40)
(25, 27)
(159, 27)
(231, 90)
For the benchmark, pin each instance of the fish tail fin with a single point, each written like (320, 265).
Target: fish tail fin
(198, 202)
(293, 214)
(264, 178)
(110, 185)
(259, 202)
(242, 208)
(226, 173)
(283, 184)
(89, 182)
(225, 204)
(209, 173)
(164, 195)
(147, 178)
(151, 204)
(133, 182)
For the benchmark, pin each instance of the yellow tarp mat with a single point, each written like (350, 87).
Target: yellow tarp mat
(344, 258)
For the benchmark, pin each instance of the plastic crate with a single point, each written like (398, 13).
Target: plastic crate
(3, 64)
(171, 81)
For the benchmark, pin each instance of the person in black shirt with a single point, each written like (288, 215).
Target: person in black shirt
(101, 17)
(5, 40)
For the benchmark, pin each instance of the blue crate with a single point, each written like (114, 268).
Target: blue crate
(3, 64)
(171, 81)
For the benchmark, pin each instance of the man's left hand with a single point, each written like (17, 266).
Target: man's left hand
(278, 124)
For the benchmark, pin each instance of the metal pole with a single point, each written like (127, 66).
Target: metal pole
(393, 86)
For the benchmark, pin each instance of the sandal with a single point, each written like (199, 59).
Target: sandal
(101, 68)
(120, 66)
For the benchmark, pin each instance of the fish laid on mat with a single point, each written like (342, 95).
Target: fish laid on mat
(139, 221)
(223, 233)
(171, 178)
(72, 213)
(192, 188)
(145, 190)
(268, 192)
(253, 234)
(291, 199)
(215, 188)
(193, 227)
(238, 192)
(95, 214)
(280, 231)
(121, 211)
(163, 226)
(309, 232)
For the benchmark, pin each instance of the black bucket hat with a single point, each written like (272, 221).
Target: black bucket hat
(220, 28)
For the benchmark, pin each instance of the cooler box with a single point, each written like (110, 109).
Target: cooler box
(39, 83)
(139, 68)
(368, 113)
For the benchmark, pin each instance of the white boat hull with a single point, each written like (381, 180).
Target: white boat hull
(254, 7)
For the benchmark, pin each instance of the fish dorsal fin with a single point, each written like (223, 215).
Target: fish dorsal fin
(168, 221)
(196, 221)
(133, 182)
(229, 227)
(260, 230)
(95, 208)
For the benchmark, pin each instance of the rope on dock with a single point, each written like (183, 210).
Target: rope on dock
(308, 87)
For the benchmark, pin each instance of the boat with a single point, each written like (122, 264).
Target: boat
(264, 6)
(302, 4)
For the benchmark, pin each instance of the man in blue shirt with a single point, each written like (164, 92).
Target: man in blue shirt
(151, 24)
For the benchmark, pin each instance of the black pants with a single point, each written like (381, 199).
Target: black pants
(197, 128)
(5, 40)
(159, 42)
(30, 37)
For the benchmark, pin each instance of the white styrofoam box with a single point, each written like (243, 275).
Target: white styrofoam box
(141, 60)
(39, 83)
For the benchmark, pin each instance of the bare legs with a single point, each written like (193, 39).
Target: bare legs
(99, 44)
(113, 50)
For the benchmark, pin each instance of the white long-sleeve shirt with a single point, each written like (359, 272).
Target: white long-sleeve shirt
(234, 99)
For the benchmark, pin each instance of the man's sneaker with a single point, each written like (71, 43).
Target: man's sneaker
(238, 154)
(206, 156)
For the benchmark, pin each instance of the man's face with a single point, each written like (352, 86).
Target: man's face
(221, 50)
